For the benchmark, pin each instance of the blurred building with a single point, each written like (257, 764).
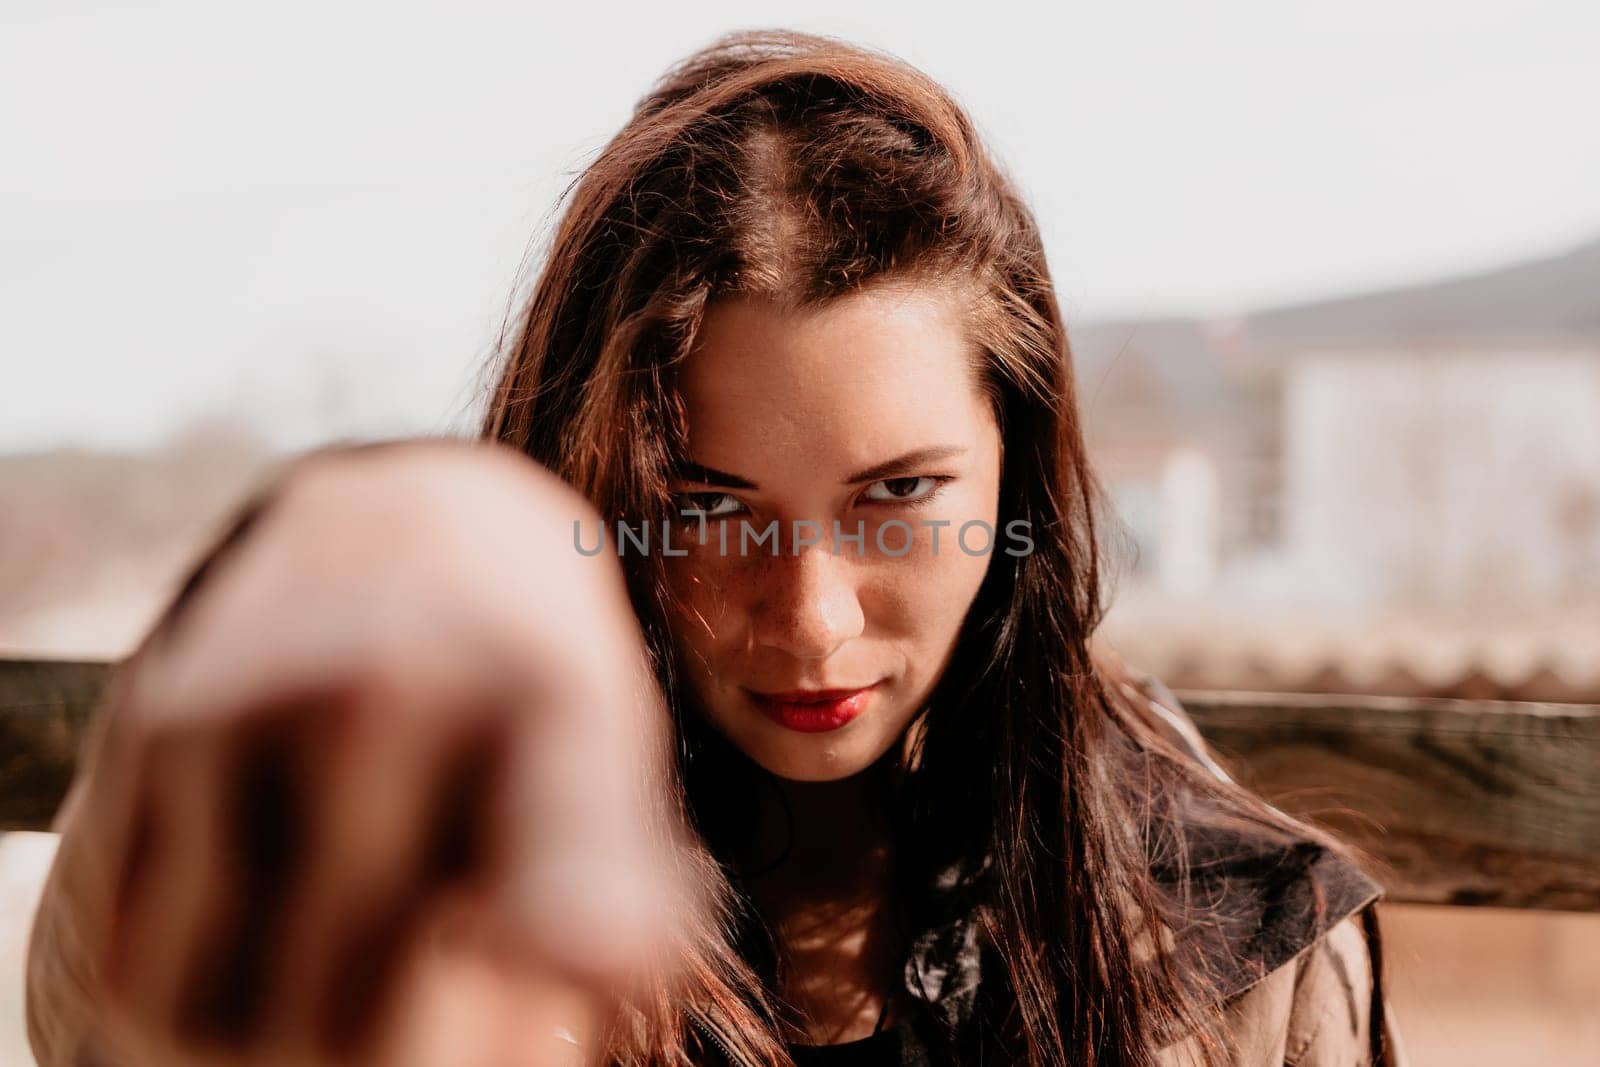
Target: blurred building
(1423, 460)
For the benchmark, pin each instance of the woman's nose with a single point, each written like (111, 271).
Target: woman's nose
(807, 604)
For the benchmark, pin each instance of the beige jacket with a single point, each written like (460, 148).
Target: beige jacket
(1314, 1011)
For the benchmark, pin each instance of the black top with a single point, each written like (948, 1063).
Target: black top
(878, 1050)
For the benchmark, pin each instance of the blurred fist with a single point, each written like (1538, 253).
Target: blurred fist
(388, 787)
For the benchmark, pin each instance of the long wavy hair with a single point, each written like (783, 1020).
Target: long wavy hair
(799, 168)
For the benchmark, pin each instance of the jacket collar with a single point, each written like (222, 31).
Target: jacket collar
(1259, 896)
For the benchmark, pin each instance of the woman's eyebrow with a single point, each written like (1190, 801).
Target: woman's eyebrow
(905, 464)
(890, 468)
(695, 472)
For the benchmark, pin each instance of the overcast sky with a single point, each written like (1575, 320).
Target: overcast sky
(309, 216)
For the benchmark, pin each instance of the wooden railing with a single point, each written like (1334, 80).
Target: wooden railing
(1457, 802)
(45, 707)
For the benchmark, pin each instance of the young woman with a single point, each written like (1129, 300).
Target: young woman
(820, 517)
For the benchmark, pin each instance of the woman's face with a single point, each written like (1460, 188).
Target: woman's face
(861, 416)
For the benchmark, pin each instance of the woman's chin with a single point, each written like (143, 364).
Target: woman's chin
(813, 757)
(834, 771)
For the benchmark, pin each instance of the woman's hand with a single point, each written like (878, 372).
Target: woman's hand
(388, 787)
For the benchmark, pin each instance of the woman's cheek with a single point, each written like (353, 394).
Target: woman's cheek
(926, 594)
(699, 587)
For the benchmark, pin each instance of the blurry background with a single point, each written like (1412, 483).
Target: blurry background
(1334, 278)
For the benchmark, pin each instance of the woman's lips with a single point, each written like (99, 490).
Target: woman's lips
(814, 711)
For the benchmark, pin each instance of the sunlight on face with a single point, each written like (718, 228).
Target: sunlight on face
(864, 412)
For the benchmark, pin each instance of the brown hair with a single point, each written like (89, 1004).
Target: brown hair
(798, 168)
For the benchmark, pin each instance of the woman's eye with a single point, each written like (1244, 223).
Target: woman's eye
(711, 505)
(901, 490)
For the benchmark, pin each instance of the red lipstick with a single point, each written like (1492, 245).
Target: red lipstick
(813, 711)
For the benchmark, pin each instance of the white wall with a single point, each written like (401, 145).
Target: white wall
(1442, 477)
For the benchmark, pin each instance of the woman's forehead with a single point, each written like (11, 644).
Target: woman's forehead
(890, 362)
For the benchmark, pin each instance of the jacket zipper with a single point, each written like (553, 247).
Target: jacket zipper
(716, 1039)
